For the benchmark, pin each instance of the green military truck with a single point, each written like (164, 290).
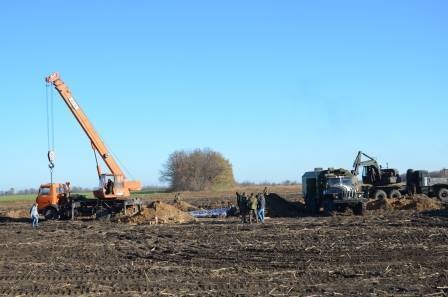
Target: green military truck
(422, 182)
(332, 190)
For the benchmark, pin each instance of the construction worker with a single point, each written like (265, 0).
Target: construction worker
(261, 206)
(34, 215)
(238, 200)
(266, 192)
(243, 207)
(252, 205)
(178, 197)
(109, 186)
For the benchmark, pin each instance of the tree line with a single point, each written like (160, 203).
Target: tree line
(196, 170)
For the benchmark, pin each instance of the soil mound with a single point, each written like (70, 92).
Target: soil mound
(418, 203)
(159, 213)
(279, 207)
(382, 204)
(17, 214)
(185, 206)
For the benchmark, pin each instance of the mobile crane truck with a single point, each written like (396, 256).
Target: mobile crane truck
(54, 200)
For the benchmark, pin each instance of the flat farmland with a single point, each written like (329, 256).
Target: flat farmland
(396, 253)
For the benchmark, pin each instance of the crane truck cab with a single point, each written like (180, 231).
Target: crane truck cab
(52, 198)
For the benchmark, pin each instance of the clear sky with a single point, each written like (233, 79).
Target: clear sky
(278, 87)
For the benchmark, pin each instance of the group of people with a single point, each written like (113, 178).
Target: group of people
(252, 206)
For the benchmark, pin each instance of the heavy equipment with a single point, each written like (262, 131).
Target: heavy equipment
(421, 182)
(377, 182)
(332, 189)
(113, 194)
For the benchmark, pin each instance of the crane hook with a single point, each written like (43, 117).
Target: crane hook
(51, 157)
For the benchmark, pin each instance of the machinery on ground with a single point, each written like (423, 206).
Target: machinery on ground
(421, 182)
(332, 189)
(113, 194)
(378, 183)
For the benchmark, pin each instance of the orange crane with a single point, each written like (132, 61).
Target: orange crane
(114, 190)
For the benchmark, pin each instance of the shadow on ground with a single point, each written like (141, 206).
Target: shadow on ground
(443, 213)
(4, 219)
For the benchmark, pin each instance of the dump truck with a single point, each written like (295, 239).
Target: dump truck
(378, 182)
(333, 190)
(55, 200)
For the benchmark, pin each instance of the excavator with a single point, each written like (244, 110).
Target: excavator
(377, 182)
(54, 200)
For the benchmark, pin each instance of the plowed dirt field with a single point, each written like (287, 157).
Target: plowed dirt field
(399, 253)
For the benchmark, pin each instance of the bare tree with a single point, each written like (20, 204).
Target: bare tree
(197, 170)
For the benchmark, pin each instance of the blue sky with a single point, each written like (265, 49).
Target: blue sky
(278, 87)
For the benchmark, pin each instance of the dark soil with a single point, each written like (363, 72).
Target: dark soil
(396, 254)
(279, 207)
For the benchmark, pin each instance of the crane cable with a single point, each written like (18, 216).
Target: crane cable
(50, 128)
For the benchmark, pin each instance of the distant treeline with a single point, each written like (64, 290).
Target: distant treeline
(30, 191)
(34, 191)
(439, 173)
(266, 183)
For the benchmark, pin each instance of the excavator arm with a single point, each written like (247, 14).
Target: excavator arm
(359, 163)
(372, 174)
(113, 185)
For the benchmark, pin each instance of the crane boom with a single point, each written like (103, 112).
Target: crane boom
(121, 186)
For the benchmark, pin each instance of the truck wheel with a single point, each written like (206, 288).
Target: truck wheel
(379, 195)
(395, 194)
(359, 209)
(50, 213)
(442, 194)
(328, 206)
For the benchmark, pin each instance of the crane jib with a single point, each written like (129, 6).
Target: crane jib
(73, 103)
(119, 186)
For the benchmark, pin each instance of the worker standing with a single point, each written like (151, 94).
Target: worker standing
(266, 192)
(253, 203)
(238, 201)
(243, 207)
(34, 215)
(261, 207)
(178, 197)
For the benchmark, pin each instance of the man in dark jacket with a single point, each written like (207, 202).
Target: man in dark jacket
(243, 207)
(109, 187)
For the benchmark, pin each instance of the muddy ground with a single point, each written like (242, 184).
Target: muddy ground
(399, 253)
